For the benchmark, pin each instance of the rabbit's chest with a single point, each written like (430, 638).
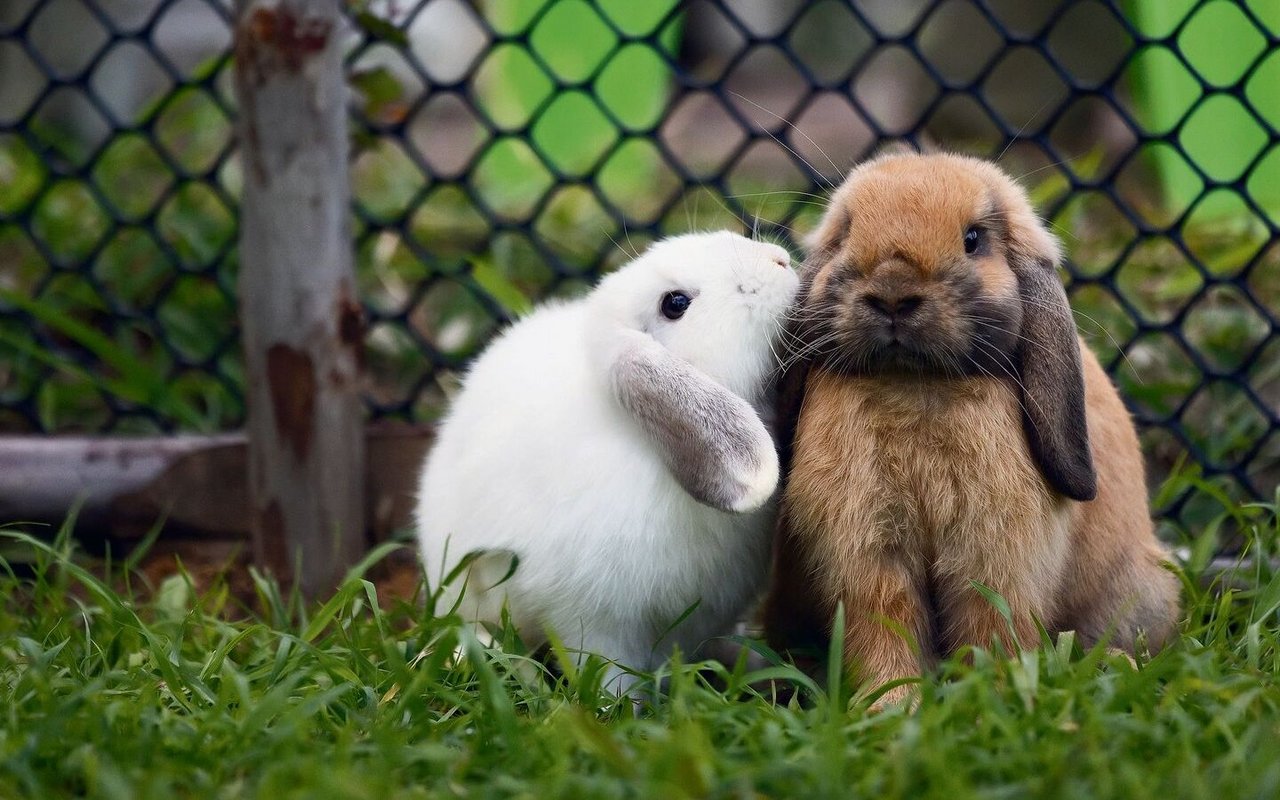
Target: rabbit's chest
(895, 462)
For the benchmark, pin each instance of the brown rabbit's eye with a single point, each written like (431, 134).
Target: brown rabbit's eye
(973, 240)
(674, 304)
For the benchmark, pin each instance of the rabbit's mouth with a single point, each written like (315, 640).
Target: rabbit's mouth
(931, 351)
(898, 354)
(873, 344)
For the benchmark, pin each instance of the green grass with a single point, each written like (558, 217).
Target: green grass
(186, 695)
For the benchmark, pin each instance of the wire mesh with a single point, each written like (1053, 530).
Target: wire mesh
(514, 149)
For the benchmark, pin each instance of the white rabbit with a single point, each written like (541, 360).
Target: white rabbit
(613, 445)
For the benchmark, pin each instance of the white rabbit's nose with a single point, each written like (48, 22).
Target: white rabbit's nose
(779, 256)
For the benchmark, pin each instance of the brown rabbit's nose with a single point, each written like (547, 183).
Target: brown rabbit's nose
(893, 308)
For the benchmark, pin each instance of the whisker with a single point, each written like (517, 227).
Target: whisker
(1028, 340)
(1101, 328)
(627, 235)
(1064, 232)
(799, 192)
(794, 358)
(1021, 405)
(621, 249)
(773, 352)
(1010, 371)
(810, 349)
(1060, 163)
(725, 206)
(1022, 129)
(783, 145)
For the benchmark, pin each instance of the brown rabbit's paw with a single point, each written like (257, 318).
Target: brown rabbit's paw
(905, 696)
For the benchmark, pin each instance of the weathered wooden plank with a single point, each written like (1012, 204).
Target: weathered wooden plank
(198, 485)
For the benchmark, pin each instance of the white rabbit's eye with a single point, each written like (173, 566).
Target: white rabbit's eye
(973, 240)
(674, 304)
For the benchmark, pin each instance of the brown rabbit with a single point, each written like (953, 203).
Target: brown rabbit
(938, 436)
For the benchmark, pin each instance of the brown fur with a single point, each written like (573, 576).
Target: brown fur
(907, 481)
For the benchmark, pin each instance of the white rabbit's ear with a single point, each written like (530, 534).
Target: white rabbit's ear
(712, 440)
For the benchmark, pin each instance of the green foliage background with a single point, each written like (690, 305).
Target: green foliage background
(118, 263)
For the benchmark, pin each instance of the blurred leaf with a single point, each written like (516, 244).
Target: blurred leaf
(498, 287)
(138, 383)
(382, 92)
(380, 29)
(377, 85)
(996, 600)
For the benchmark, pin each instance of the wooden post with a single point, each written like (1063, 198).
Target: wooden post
(302, 324)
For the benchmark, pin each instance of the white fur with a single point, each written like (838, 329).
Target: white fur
(537, 458)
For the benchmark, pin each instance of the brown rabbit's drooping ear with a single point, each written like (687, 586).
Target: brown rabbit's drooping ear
(1053, 403)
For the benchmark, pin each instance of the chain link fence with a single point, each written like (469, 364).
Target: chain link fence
(511, 150)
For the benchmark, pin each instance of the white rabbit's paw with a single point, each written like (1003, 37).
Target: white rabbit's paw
(758, 487)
